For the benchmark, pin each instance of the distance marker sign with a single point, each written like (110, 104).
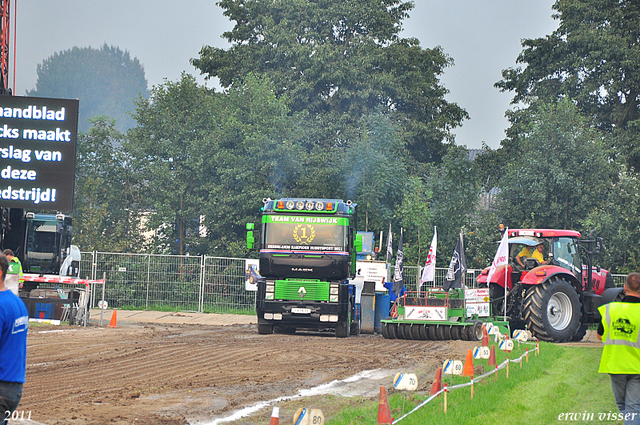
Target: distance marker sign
(37, 152)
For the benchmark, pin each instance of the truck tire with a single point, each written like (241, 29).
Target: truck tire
(343, 329)
(264, 329)
(552, 310)
(355, 328)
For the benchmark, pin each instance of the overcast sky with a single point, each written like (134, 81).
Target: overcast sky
(482, 36)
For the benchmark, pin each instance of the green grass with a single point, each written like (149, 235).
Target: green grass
(560, 380)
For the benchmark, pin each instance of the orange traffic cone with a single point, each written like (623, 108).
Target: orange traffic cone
(492, 356)
(437, 382)
(275, 416)
(485, 337)
(384, 412)
(468, 364)
(114, 320)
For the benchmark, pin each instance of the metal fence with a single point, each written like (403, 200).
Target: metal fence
(195, 283)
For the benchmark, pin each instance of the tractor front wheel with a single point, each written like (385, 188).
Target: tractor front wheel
(552, 310)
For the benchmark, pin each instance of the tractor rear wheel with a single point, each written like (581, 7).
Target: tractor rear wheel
(582, 331)
(552, 310)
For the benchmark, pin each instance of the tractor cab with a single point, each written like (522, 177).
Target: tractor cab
(561, 251)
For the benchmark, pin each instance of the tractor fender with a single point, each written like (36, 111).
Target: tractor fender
(544, 273)
(497, 277)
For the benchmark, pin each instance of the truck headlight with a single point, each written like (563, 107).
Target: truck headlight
(333, 298)
(333, 291)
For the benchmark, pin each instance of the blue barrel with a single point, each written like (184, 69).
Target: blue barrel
(382, 310)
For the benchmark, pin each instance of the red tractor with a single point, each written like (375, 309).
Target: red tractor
(556, 298)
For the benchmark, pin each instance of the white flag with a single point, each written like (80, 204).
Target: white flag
(502, 256)
(429, 272)
(389, 246)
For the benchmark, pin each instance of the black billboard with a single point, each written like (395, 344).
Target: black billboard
(37, 152)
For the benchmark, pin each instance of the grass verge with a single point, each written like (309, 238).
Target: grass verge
(562, 379)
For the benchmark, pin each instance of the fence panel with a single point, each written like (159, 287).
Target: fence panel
(412, 276)
(224, 286)
(193, 283)
(144, 280)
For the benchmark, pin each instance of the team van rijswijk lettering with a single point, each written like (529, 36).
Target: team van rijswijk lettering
(33, 112)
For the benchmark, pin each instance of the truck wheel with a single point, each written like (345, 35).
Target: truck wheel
(73, 312)
(355, 328)
(264, 329)
(553, 310)
(343, 329)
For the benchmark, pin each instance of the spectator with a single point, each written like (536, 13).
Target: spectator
(619, 330)
(14, 278)
(14, 321)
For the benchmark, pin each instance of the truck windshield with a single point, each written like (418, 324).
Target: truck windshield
(308, 233)
(567, 255)
(42, 237)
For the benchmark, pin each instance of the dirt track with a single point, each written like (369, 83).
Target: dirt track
(178, 374)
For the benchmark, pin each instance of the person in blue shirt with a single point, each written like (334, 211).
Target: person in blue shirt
(14, 321)
(393, 308)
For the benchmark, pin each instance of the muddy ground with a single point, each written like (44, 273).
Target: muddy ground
(187, 374)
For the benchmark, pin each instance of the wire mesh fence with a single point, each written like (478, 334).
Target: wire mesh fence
(199, 284)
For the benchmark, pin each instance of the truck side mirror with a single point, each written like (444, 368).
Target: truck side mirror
(357, 244)
(251, 242)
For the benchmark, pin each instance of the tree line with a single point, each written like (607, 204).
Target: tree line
(325, 99)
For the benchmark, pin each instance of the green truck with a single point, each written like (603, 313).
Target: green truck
(307, 255)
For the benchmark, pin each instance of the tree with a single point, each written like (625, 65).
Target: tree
(592, 58)
(617, 222)
(560, 174)
(340, 61)
(258, 153)
(105, 80)
(173, 144)
(374, 172)
(454, 185)
(107, 195)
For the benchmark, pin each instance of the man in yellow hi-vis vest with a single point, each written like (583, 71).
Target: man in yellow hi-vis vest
(14, 278)
(620, 333)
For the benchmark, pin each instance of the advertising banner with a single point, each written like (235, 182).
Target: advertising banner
(37, 152)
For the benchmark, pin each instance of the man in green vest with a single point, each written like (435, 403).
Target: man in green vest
(14, 278)
(620, 333)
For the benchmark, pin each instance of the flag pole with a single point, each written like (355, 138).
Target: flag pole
(506, 270)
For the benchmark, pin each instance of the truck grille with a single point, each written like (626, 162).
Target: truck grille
(315, 290)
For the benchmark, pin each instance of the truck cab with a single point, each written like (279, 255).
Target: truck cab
(307, 253)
